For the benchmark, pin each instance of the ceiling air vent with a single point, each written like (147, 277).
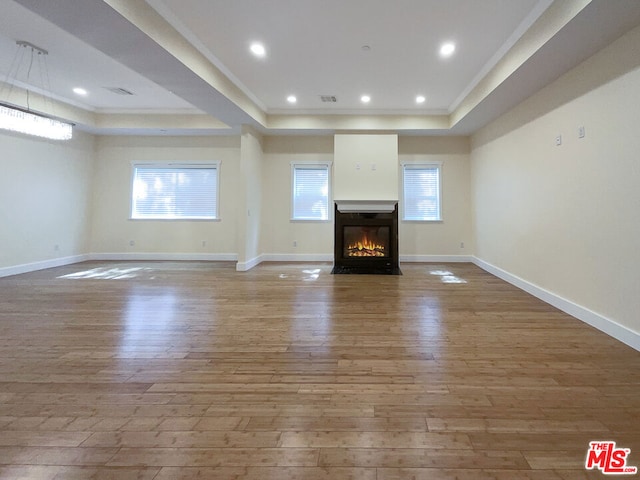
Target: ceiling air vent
(119, 91)
(328, 98)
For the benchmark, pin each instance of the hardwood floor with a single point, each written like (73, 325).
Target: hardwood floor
(152, 370)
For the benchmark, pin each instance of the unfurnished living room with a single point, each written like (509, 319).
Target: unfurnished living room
(304, 239)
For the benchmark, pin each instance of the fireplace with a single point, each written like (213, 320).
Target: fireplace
(366, 242)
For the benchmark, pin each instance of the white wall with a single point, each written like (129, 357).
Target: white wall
(566, 219)
(45, 192)
(423, 241)
(112, 230)
(278, 231)
(365, 167)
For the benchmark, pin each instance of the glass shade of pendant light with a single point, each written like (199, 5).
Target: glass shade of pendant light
(17, 120)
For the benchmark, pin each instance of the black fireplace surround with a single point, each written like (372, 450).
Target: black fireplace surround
(366, 243)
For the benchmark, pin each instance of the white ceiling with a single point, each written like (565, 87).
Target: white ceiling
(72, 63)
(314, 47)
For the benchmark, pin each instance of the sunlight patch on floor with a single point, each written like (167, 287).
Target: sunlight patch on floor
(311, 275)
(447, 277)
(105, 273)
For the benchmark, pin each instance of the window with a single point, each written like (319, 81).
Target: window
(169, 192)
(421, 190)
(310, 192)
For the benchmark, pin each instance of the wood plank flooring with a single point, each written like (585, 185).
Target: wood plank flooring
(167, 370)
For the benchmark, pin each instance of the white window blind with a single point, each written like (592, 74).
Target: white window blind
(168, 192)
(421, 186)
(310, 194)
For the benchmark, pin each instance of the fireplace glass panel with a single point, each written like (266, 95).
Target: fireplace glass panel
(366, 241)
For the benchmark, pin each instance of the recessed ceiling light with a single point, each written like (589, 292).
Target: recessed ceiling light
(447, 49)
(80, 91)
(258, 49)
(365, 98)
(420, 99)
(292, 99)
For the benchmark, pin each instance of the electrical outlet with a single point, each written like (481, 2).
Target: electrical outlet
(132, 243)
(295, 243)
(559, 140)
(461, 244)
(204, 243)
(581, 132)
(56, 247)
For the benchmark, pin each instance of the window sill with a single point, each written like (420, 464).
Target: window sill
(175, 219)
(302, 220)
(422, 221)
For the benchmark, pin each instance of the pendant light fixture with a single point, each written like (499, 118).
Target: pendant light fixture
(24, 120)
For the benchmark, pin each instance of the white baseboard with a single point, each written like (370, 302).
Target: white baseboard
(604, 324)
(142, 256)
(284, 257)
(248, 265)
(34, 266)
(436, 259)
(328, 257)
(297, 257)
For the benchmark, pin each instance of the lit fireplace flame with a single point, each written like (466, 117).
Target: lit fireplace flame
(365, 248)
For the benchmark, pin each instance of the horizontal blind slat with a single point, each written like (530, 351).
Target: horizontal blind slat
(421, 185)
(311, 192)
(174, 192)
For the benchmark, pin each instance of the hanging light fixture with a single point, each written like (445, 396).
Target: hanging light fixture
(23, 120)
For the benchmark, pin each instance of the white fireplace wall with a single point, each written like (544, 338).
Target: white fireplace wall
(314, 240)
(365, 167)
